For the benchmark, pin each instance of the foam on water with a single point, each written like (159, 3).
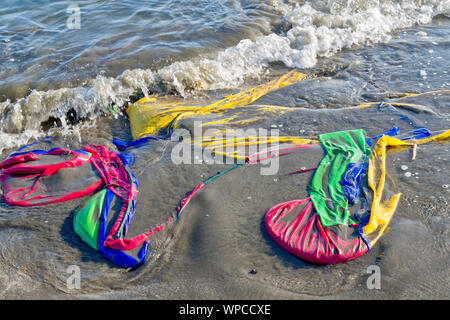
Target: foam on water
(305, 32)
(22, 119)
(311, 30)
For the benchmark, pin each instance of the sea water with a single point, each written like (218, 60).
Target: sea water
(69, 69)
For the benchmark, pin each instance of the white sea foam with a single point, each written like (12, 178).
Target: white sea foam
(13, 140)
(24, 117)
(310, 30)
(315, 29)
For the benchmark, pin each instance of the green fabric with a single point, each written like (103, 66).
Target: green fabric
(86, 219)
(328, 198)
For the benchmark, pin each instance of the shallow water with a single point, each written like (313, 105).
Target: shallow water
(353, 52)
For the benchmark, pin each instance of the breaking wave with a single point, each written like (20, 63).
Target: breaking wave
(302, 33)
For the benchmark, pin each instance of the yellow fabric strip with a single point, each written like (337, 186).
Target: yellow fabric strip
(220, 146)
(382, 211)
(150, 116)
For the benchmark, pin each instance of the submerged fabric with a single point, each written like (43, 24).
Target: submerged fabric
(156, 118)
(319, 228)
(86, 218)
(297, 225)
(36, 178)
(343, 149)
(321, 231)
(382, 209)
(157, 115)
(305, 236)
(39, 177)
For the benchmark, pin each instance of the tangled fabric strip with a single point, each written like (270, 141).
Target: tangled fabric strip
(322, 231)
(321, 228)
(36, 178)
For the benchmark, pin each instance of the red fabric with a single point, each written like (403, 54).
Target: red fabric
(11, 197)
(188, 197)
(306, 238)
(23, 165)
(129, 244)
(112, 171)
(17, 159)
(301, 171)
(20, 164)
(108, 165)
(116, 178)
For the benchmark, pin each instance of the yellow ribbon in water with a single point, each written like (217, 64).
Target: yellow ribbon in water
(231, 147)
(150, 116)
(382, 210)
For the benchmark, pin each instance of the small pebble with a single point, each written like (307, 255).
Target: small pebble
(404, 167)
(408, 174)
(445, 186)
(249, 198)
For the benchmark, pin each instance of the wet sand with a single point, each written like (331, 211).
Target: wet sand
(210, 252)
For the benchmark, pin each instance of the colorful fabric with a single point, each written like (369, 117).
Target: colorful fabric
(155, 115)
(297, 228)
(320, 228)
(383, 209)
(321, 231)
(343, 149)
(39, 177)
(28, 178)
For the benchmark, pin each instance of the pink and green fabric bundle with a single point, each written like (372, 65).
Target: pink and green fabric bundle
(320, 228)
(338, 221)
(344, 213)
(39, 177)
